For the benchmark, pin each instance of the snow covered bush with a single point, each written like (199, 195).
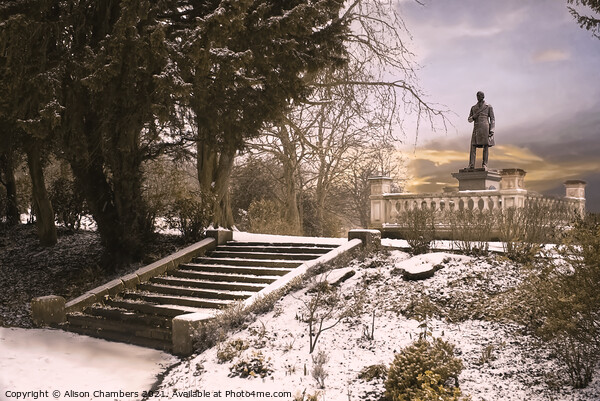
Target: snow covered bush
(231, 349)
(318, 372)
(253, 366)
(424, 369)
(326, 307)
(372, 372)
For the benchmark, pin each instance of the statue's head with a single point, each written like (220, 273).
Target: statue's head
(480, 96)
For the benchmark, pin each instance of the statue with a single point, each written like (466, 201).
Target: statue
(482, 114)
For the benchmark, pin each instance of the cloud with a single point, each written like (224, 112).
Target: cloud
(550, 55)
(431, 167)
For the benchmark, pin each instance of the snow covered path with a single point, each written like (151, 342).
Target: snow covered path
(53, 360)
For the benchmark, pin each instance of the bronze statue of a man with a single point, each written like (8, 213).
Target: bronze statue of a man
(482, 114)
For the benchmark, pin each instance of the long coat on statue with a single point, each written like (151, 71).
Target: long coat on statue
(485, 123)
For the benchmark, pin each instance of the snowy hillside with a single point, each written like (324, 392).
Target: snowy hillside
(499, 362)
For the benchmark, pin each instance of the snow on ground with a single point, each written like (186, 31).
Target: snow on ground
(438, 244)
(499, 364)
(54, 360)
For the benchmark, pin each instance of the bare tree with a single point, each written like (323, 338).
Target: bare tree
(325, 141)
(377, 159)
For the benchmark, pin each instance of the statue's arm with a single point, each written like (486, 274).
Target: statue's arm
(470, 119)
(492, 121)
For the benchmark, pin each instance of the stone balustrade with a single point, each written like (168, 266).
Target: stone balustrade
(386, 207)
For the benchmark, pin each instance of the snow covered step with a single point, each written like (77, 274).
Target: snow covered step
(207, 284)
(273, 249)
(128, 316)
(166, 310)
(288, 244)
(263, 255)
(123, 337)
(205, 260)
(194, 292)
(223, 277)
(229, 274)
(177, 300)
(257, 271)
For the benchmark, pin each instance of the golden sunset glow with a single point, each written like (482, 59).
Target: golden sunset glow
(430, 169)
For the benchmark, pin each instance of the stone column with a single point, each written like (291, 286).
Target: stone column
(379, 186)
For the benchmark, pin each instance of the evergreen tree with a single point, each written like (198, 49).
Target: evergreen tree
(116, 92)
(107, 81)
(591, 23)
(245, 64)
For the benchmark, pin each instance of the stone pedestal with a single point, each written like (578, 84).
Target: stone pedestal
(575, 189)
(370, 238)
(513, 178)
(221, 236)
(48, 310)
(477, 179)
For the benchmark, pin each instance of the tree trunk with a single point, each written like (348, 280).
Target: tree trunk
(290, 162)
(291, 213)
(115, 205)
(320, 212)
(43, 207)
(214, 169)
(7, 171)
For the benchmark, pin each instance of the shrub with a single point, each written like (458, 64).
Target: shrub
(408, 376)
(265, 216)
(231, 349)
(326, 307)
(307, 397)
(190, 212)
(524, 231)
(559, 301)
(418, 228)
(319, 373)
(570, 301)
(68, 202)
(372, 372)
(237, 317)
(421, 308)
(254, 366)
(171, 191)
(432, 389)
(470, 230)
(216, 329)
(578, 356)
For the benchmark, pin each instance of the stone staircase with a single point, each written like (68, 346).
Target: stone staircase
(230, 273)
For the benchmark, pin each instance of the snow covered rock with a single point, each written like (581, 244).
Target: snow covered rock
(418, 272)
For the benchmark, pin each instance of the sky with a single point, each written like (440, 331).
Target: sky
(538, 69)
